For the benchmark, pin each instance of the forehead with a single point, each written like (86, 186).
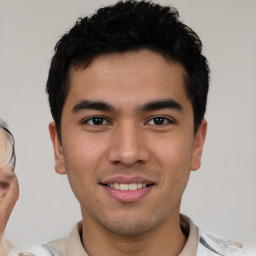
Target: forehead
(3, 137)
(5, 148)
(128, 78)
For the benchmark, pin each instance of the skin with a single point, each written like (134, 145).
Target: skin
(129, 141)
(9, 189)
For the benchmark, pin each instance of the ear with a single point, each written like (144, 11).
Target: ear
(198, 146)
(58, 153)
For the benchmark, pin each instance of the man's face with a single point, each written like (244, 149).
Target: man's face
(128, 141)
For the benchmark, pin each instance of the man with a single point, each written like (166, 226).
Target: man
(128, 90)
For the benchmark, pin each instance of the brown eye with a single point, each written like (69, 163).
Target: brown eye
(97, 120)
(159, 120)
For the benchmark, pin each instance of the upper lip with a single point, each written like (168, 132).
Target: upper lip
(127, 180)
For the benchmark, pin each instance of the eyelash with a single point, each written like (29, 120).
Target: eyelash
(104, 121)
(94, 118)
(162, 118)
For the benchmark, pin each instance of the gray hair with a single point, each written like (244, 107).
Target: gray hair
(9, 136)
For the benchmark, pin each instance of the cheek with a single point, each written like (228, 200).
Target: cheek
(82, 160)
(174, 158)
(174, 152)
(83, 153)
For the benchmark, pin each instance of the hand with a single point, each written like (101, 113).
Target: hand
(9, 194)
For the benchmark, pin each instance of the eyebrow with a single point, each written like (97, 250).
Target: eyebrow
(161, 104)
(95, 105)
(106, 107)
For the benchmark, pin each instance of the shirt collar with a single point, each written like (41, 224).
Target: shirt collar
(191, 231)
(75, 246)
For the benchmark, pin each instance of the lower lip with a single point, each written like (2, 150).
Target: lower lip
(128, 195)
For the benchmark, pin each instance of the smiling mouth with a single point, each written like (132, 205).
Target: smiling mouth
(126, 187)
(127, 192)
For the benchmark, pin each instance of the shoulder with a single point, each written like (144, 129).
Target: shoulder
(70, 245)
(215, 245)
(61, 245)
(40, 249)
(5, 246)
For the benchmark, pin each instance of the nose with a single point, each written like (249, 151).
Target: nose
(128, 146)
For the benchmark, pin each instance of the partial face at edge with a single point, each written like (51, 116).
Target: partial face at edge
(5, 149)
(127, 120)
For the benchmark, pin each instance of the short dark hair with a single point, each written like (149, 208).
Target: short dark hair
(9, 136)
(129, 26)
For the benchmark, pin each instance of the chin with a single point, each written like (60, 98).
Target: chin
(129, 229)
(129, 226)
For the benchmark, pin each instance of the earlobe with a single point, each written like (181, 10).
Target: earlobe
(198, 146)
(58, 153)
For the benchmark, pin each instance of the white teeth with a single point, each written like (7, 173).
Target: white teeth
(117, 186)
(132, 186)
(139, 185)
(124, 186)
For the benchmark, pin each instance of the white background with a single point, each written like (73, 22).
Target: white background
(221, 196)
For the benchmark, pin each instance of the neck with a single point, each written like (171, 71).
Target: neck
(166, 239)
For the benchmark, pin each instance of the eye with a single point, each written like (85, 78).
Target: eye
(96, 120)
(159, 120)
